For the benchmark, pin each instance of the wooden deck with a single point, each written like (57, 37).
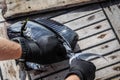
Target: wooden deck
(98, 27)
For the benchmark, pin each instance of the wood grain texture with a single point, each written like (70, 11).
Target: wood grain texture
(58, 76)
(9, 70)
(112, 10)
(85, 21)
(1, 16)
(17, 8)
(106, 73)
(97, 39)
(116, 78)
(79, 12)
(105, 48)
(56, 67)
(93, 29)
(111, 59)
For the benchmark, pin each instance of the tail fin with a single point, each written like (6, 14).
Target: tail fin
(85, 56)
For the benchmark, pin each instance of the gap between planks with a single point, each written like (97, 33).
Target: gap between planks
(112, 11)
(97, 39)
(78, 13)
(93, 29)
(87, 20)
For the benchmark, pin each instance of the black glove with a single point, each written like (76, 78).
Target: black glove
(49, 51)
(83, 69)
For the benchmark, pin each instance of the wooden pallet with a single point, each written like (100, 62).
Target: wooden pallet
(99, 32)
(96, 35)
(17, 8)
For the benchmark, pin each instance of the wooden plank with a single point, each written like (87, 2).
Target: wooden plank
(104, 48)
(36, 16)
(9, 70)
(112, 10)
(2, 4)
(97, 39)
(116, 78)
(111, 59)
(58, 76)
(49, 69)
(3, 30)
(15, 7)
(1, 17)
(87, 20)
(93, 29)
(0, 75)
(82, 11)
(108, 72)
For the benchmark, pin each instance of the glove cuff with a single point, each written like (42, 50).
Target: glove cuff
(76, 72)
(25, 50)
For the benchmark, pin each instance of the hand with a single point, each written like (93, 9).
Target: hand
(49, 51)
(83, 69)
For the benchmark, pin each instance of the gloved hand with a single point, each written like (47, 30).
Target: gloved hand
(49, 51)
(83, 69)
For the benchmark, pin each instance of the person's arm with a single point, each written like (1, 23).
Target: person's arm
(73, 77)
(9, 49)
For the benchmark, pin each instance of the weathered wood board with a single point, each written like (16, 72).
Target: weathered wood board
(116, 78)
(97, 39)
(1, 17)
(77, 13)
(17, 8)
(93, 29)
(90, 19)
(105, 73)
(51, 69)
(57, 76)
(112, 10)
(105, 48)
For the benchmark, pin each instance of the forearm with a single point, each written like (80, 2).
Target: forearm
(9, 49)
(72, 77)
